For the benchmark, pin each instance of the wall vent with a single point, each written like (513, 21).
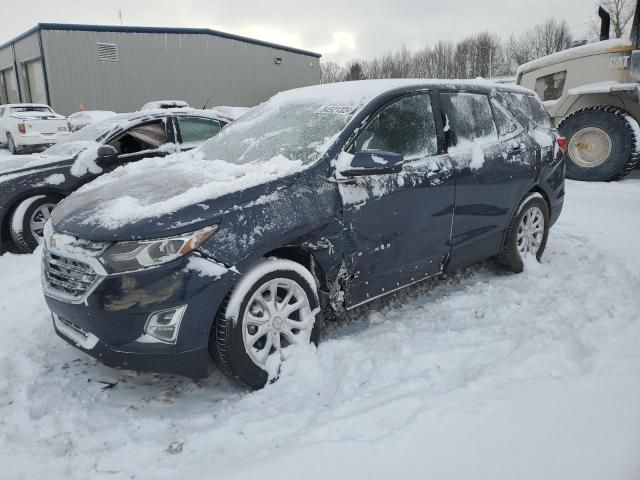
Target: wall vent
(108, 52)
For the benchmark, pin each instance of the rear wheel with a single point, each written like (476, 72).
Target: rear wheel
(12, 145)
(28, 219)
(603, 143)
(275, 306)
(527, 234)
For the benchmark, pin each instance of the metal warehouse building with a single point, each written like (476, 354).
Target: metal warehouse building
(121, 68)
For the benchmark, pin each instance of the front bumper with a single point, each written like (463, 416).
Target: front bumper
(109, 322)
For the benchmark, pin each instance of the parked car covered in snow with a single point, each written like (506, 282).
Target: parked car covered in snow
(30, 126)
(319, 200)
(80, 120)
(31, 187)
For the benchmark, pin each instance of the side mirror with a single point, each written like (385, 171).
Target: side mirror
(373, 163)
(107, 154)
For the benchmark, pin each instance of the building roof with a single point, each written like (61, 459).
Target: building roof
(132, 29)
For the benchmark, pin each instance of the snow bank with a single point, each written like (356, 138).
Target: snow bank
(480, 375)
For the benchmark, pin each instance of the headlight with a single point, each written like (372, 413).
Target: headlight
(131, 256)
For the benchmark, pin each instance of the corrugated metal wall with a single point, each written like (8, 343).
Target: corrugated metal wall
(154, 66)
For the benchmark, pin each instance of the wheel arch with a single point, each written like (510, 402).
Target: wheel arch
(537, 188)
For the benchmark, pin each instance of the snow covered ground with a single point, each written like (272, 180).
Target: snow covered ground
(481, 375)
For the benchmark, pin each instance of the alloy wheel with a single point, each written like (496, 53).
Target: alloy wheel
(277, 315)
(530, 232)
(38, 219)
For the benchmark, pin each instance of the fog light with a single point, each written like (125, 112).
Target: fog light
(165, 324)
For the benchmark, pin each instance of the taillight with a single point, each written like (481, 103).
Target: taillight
(21, 128)
(562, 143)
(69, 126)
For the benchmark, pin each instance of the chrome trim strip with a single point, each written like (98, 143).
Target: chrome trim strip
(427, 277)
(81, 338)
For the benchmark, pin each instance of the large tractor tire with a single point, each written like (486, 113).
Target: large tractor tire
(603, 143)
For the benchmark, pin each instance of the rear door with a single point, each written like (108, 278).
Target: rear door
(491, 159)
(398, 225)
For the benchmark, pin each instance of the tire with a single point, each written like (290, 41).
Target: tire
(232, 331)
(512, 255)
(603, 143)
(33, 209)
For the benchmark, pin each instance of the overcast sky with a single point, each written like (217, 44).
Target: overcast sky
(340, 30)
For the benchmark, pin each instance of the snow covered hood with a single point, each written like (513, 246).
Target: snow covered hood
(156, 198)
(596, 48)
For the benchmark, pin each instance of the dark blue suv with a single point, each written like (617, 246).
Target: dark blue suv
(317, 201)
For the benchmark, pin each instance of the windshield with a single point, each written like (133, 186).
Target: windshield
(30, 109)
(297, 130)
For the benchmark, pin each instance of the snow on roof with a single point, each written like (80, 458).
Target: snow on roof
(362, 91)
(39, 105)
(594, 48)
(159, 104)
(232, 113)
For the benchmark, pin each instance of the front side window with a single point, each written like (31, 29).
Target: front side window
(143, 137)
(469, 118)
(550, 87)
(195, 130)
(406, 127)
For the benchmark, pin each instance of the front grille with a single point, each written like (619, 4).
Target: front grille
(68, 277)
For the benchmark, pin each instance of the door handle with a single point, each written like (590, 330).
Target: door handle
(437, 174)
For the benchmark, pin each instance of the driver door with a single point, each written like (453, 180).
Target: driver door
(398, 225)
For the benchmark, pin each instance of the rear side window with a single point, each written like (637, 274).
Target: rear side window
(531, 107)
(197, 129)
(406, 127)
(505, 122)
(550, 87)
(469, 117)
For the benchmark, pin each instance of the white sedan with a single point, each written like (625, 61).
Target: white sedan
(27, 126)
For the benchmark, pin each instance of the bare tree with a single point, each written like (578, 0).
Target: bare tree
(479, 55)
(550, 37)
(330, 72)
(354, 72)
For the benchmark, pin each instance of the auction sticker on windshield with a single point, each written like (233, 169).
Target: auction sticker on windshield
(337, 109)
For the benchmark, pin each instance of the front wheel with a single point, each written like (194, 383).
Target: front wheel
(28, 219)
(273, 307)
(527, 234)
